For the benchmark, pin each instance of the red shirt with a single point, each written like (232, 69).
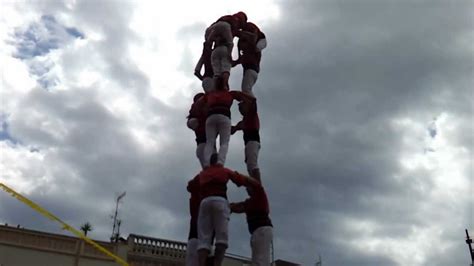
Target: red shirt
(257, 209)
(195, 199)
(198, 111)
(258, 202)
(250, 56)
(194, 202)
(233, 21)
(250, 122)
(213, 181)
(219, 102)
(219, 98)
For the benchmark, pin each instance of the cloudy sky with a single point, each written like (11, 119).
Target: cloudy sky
(367, 113)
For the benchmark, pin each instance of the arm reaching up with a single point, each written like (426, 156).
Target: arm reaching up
(237, 207)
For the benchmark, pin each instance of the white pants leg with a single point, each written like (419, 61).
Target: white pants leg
(220, 60)
(200, 153)
(192, 123)
(192, 258)
(211, 135)
(220, 31)
(213, 217)
(224, 138)
(261, 44)
(217, 124)
(260, 243)
(248, 80)
(252, 149)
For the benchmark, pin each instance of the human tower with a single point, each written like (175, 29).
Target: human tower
(209, 117)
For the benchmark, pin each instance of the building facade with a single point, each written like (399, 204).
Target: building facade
(23, 247)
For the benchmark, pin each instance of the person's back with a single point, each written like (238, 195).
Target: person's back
(213, 181)
(250, 45)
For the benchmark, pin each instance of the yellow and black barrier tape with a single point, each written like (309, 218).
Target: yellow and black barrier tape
(65, 226)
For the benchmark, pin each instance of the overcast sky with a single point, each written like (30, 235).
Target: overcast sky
(366, 107)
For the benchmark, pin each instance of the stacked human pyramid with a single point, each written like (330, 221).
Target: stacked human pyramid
(209, 117)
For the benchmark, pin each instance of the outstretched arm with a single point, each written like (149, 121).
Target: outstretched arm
(197, 69)
(237, 127)
(240, 96)
(243, 180)
(237, 207)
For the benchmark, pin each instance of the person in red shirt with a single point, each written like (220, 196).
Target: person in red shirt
(197, 123)
(251, 43)
(257, 210)
(221, 34)
(250, 125)
(214, 208)
(192, 258)
(218, 104)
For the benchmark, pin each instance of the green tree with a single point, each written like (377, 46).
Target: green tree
(87, 227)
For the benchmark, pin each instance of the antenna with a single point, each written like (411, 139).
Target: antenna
(273, 254)
(115, 235)
(320, 261)
(469, 243)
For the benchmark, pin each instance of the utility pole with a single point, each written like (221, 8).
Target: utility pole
(469, 243)
(273, 255)
(114, 236)
(319, 262)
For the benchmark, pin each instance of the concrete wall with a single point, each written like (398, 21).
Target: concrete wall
(21, 247)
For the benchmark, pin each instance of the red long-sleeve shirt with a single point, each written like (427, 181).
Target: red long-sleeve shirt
(213, 181)
(250, 125)
(194, 202)
(250, 57)
(198, 111)
(256, 208)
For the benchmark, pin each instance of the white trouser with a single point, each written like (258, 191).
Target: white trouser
(261, 242)
(192, 123)
(208, 84)
(200, 153)
(217, 124)
(251, 155)
(192, 258)
(261, 44)
(248, 80)
(213, 217)
(220, 60)
(220, 31)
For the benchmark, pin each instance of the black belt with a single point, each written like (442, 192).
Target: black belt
(255, 67)
(219, 110)
(200, 138)
(251, 135)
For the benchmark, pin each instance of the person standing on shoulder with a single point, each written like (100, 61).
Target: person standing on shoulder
(250, 125)
(220, 35)
(251, 43)
(218, 121)
(197, 123)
